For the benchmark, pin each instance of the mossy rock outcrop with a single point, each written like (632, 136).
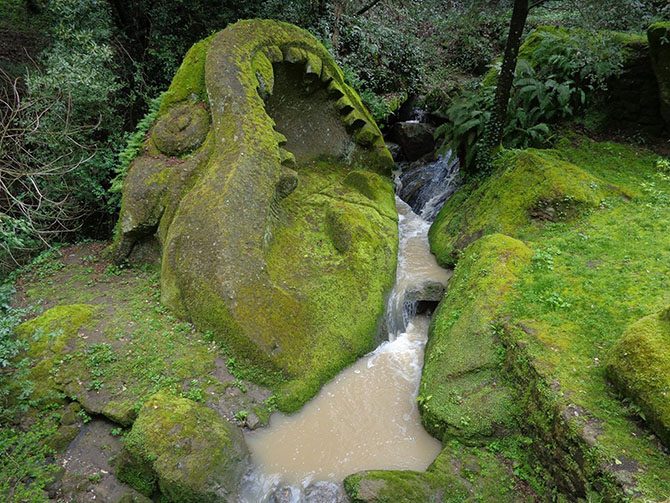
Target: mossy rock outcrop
(49, 338)
(659, 47)
(639, 366)
(185, 451)
(463, 394)
(459, 473)
(529, 188)
(265, 182)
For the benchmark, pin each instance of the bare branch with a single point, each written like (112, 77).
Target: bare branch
(34, 183)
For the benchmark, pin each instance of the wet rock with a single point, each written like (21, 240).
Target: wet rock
(396, 151)
(415, 139)
(284, 495)
(252, 421)
(429, 291)
(325, 492)
(425, 186)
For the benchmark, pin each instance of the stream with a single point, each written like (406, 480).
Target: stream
(366, 418)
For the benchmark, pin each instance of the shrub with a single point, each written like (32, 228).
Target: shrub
(62, 128)
(556, 73)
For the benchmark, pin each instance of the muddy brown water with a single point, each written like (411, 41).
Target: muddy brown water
(367, 417)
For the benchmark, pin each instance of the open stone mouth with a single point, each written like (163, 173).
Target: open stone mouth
(280, 163)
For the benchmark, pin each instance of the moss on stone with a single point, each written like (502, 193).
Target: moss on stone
(459, 474)
(186, 449)
(589, 279)
(463, 393)
(228, 215)
(659, 48)
(50, 337)
(181, 129)
(189, 81)
(529, 188)
(639, 366)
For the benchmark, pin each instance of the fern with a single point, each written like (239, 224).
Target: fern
(134, 145)
(553, 76)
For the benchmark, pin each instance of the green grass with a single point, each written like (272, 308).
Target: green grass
(102, 338)
(591, 275)
(609, 269)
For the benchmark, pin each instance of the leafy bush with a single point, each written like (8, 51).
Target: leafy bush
(473, 39)
(383, 58)
(556, 73)
(9, 319)
(62, 130)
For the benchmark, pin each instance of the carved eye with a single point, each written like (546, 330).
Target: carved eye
(181, 130)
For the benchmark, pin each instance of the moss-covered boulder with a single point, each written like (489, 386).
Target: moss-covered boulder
(528, 189)
(185, 451)
(463, 394)
(265, 181)
(639, 366)
(659, 47)
(459, 473)
(49, 338)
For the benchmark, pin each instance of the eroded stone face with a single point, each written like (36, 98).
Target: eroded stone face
(265, 181)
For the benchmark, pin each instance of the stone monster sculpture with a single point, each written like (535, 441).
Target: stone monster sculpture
(264, 180)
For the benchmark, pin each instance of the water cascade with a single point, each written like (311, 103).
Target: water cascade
(366, 418)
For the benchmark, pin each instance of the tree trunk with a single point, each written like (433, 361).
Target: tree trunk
(335, 40)
(506, 78)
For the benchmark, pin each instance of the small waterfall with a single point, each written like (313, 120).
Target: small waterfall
(418, 277)
(427, 186)
(366, 417)
(422, 189)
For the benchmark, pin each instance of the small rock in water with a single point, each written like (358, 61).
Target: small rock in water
(325, 492)
(395, 150)
(282, 495)
(252, 421)
(415, 139)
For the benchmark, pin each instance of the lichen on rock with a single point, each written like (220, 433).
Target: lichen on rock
(261, 152)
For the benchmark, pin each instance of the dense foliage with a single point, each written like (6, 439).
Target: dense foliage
(89, 71)
(557, 72)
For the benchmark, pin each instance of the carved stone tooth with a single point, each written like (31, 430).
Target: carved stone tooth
(294, 55)
(273, 53)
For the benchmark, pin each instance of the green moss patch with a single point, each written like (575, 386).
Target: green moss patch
(185, 449)
(587, 280)
(459, 474)
(463, 394)
(110, 344)
(639, 366)
(50, 337)
(529, 189)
